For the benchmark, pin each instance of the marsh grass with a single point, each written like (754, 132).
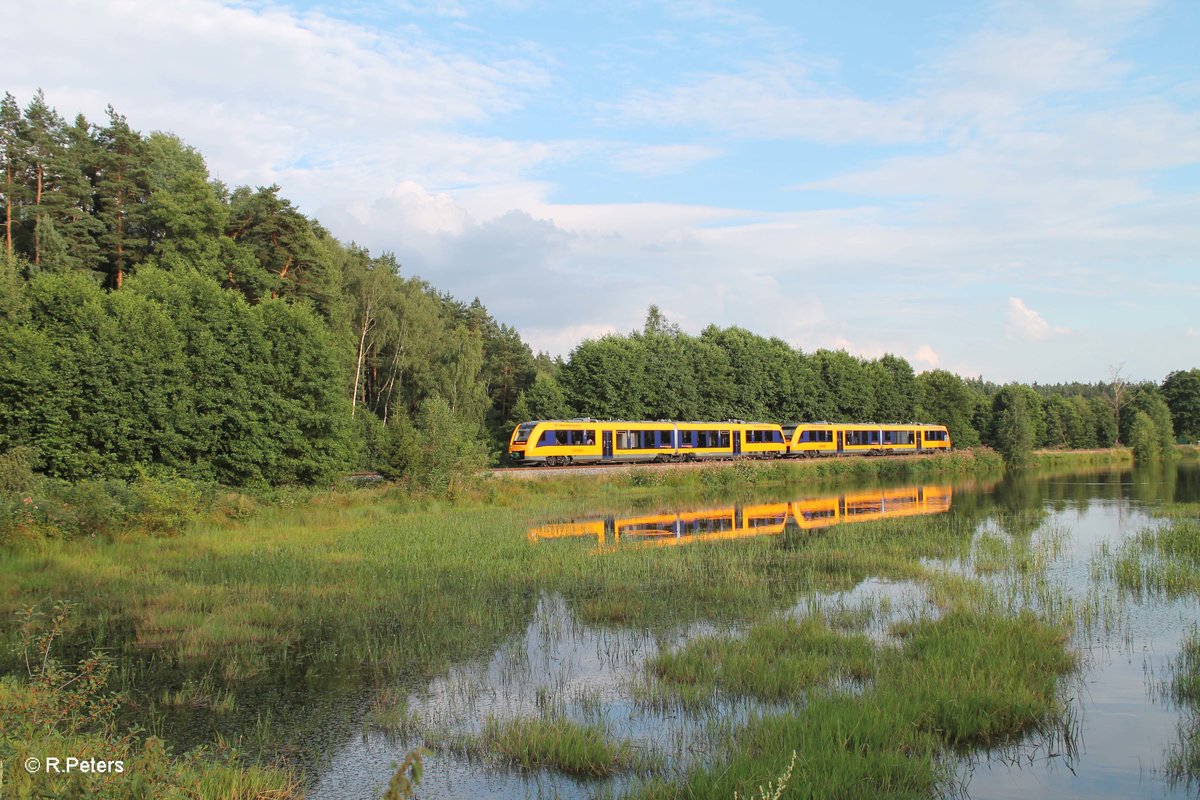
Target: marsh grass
(776, 660)
(968, 679)
(573, 748)
(199, 694)
(389, 713)
(984, 666)
(1183, 687)
(1075, 458)
(351, 591)
(1162, 561)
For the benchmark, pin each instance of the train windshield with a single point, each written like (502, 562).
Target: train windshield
(523, 431)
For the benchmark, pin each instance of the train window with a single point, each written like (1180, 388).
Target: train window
(665, 438)
(561, 438)
(724, 439)
(523, 431)
(687, 439)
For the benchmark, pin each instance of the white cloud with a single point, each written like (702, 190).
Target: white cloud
(268, 94)
(927, 358)
(1025, 323)
(561, 340)
(773, 100)
(654, 160)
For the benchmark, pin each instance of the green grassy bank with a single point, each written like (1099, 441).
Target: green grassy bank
(349, 591)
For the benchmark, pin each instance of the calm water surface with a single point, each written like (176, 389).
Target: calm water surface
(1121, 726)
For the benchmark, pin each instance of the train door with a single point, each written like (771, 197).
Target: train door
(918, 441)
(606, 445)
(841, 442)
(737, 443)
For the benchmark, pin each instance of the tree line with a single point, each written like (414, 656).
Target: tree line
(153, 318)
(660, 372)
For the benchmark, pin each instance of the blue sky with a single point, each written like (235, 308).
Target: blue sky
(1008, 189)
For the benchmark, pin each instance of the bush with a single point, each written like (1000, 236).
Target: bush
(16, 471)
(1143, 438)
(435, 452)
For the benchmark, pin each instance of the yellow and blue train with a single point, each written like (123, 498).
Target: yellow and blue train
(591, 441)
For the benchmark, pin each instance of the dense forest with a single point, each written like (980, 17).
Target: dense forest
(154, 320)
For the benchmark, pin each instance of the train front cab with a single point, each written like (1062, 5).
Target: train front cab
(934, 437)
(556, 442)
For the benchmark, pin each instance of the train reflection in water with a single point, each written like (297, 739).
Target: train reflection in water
(741, 521)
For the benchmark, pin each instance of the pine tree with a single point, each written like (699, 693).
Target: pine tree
(121, 190)
(12, 162)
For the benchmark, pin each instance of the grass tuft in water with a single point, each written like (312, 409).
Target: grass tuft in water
(558, 743)
(1183, 757)
(389, 714)
(202, 694)
(969, 678)
(777, 660)
(1159, 562)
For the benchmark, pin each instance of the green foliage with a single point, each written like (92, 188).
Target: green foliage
(945, 398)
(845, 392)
(1181, 389)
(896, 390)
(1063, 422)
(1143, 438)
(1014, 410)
(403, 784)
(173, 371)
(16, 472)
(438, 451)
(545, 399)
(239, 331)
(1106, 424)
(1157, 438)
